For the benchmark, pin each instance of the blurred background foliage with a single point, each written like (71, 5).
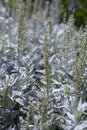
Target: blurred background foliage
(79, 7)
(62, 7)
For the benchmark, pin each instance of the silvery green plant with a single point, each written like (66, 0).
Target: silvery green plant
(80, 62)
(75, 112)
(52, 78)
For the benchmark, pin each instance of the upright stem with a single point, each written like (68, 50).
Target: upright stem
(46, 64)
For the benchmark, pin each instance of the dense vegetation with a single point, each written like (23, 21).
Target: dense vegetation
(43, 71)
(58, 9)
(78, 6)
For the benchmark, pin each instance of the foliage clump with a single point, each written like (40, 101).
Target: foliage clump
(43, 75)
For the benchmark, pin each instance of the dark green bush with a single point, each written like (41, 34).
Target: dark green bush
(80, 8)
